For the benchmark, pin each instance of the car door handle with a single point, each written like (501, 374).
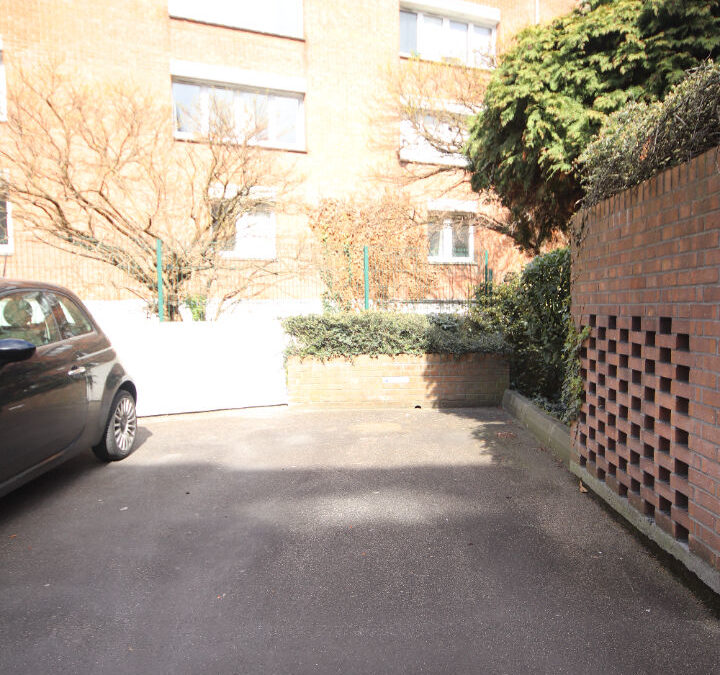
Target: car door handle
(77, 371)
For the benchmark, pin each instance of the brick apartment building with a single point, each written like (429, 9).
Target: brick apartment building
(311, 68)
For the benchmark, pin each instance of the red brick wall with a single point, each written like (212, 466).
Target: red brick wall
(406, 381)
(646, 279)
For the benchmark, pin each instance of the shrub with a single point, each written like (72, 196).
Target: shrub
(395, 234)
(642, 140)
(495, 307)
(533, 314)
(539, 331)
(554, 89)
(372, 333)
(197, 304)
(573, 385)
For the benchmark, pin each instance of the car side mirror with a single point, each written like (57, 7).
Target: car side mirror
(12, 350)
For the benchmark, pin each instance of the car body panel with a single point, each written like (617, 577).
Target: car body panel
(67, 386)
(37, 395)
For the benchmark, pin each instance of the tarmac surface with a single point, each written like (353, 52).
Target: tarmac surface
(277, 541)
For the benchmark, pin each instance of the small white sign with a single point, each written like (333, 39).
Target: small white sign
(396, 380)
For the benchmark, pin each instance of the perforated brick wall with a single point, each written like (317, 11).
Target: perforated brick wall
(646, 282)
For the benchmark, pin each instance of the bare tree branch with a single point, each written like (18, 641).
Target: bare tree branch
(100, 174)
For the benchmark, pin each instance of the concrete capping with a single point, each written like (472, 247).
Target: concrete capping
(456, 9)
(669, 544)
(210, 73)
(553, 435)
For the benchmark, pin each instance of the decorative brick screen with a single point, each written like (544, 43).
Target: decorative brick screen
(646, 282)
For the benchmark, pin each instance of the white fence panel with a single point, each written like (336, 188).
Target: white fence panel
(236, 362)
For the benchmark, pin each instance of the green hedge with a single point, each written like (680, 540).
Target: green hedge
(641, 140)
(532, 312)
(350, 334)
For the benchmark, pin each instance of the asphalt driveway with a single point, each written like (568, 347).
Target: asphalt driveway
(273, 541)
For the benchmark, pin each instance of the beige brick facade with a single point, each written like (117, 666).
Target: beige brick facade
(344, 50)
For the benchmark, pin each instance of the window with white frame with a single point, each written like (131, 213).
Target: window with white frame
(6, 242)
(450, 240)
(433, 137)
(454, 32)
(255, 234)
(270, 118)
(278, 17)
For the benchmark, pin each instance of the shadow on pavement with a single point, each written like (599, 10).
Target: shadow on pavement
(295, 549)
(513, 433)
(58, 479)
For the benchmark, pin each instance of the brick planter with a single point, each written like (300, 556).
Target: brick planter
(404, 381)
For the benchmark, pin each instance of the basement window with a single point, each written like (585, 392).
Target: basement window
(254, 237)
(451, 241)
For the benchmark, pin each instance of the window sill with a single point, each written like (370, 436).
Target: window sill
(193, 138)
(238, 255)
(7, 249)
(244, 29)
(452, 261)
(404, 56)
(420, 157)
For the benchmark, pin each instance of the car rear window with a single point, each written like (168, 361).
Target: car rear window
(71, 320)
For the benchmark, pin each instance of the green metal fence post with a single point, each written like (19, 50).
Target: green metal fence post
(161, 301)
(366, 272)
(349, 257)
(485, 272)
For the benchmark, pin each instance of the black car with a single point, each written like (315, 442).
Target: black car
(62, 388)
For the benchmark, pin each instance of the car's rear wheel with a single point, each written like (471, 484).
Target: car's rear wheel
(121, 429)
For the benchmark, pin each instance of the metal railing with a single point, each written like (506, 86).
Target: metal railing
(372, 277)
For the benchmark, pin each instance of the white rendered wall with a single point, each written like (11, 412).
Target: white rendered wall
(178, 367)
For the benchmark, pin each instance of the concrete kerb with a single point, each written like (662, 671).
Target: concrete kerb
(551, 433)
(680, 552)
(555, 436)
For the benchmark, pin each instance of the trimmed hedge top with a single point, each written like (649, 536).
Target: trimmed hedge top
(642, 140)
(373, 333)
